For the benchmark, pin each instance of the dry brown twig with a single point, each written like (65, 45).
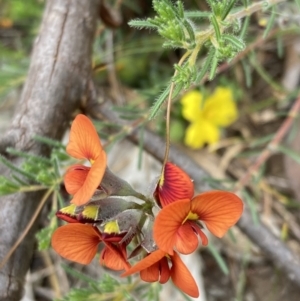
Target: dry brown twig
(272, 145)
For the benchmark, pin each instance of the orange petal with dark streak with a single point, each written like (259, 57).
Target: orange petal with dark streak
(146, 262)
(167, 223)
(112, 256)
(150, 274)
(174, 186)
(164, 269)
(84, 142)
(182, 277)
(76, 242)
(220, 210)
(201, 234)
(186, 239)
(75, 177)
(92, 181)
(159, 271)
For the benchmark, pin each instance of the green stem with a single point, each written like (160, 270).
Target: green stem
(32, 188)
(167, 149)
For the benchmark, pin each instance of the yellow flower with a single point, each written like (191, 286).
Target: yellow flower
(206, 116)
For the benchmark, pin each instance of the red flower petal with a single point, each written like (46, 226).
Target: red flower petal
(92, 181)
(164, 269)
(112, 257)
(197, 229)
(75, 177)
(76, 242)
(186, 239)
(67, 218)
(68, 214)
(84, 142)
(150, 274)
(174, 185)
(159, 271)
(168, 222)
(220, 210)
(182, 277)
(146, 262)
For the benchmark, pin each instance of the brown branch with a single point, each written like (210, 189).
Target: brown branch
(272, 246)
(271, 147)
(57, 82)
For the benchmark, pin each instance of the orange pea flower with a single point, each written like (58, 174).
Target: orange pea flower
(178, 224)
(155, 267)
(81, 181)
(173, 185)
(79, 243)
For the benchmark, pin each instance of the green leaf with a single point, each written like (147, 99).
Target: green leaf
(206, 65)
(236, 42)
(78, 275)
(246, 3)
(189, 29)
(280, 47)
(251, 204)
(270, 22)
(261, 141)
(49, 141)
(16, 169)
(289, 152)
(44, 237)
(7, 186)
(228, 9)
(142, 24)
(220, 261)
(164, 95)
(197, 14)
(245, 27)
(213, 67)
(15, 152)
(180, 9)
(247, 72)
(158, 102)
(215, 24)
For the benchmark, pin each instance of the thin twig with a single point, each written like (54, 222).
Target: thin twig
(248, 11)
(168, 113)
(28, 227)
(271, 147)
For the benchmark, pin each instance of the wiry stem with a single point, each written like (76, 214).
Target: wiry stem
(29, 225)
(248, 11)
(168, 113)
(143, 198)
(271, 147)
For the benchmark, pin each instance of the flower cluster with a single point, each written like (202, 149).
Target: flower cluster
(207, 115)
(95, 216)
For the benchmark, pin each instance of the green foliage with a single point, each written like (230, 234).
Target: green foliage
(219, 259)
(35, 172)
(289, 152)
(44, 237)
(7, 186)
(14, 61)
(162, 97)
(26, 13)
(179, 31)
(12, 69)
(251, 205)
(108, 288)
